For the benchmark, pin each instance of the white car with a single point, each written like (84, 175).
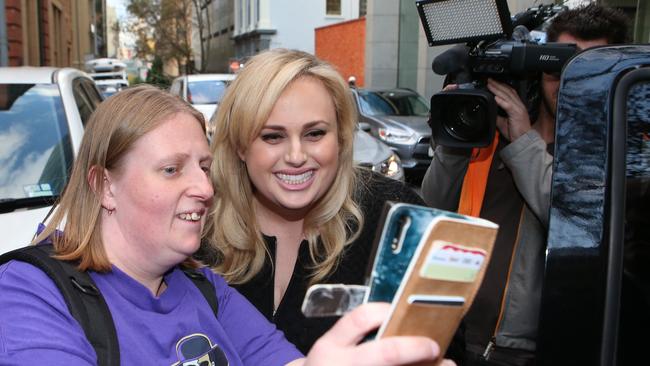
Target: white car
(204, 91)
(42, 115)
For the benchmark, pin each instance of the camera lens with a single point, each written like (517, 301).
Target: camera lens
(466, 119)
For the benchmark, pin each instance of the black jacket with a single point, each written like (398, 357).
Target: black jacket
(301, 331)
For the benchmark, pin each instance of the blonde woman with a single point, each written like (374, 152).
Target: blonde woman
(290, 208)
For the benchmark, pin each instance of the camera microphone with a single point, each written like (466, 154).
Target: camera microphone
(451, 61)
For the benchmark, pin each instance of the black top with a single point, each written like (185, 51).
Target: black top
(301, 331)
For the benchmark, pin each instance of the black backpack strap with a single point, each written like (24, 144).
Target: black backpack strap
(206, 287)
(85, 303)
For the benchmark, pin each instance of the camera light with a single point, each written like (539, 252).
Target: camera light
(459, 21)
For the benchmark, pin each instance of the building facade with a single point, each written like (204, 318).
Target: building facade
(52, 32)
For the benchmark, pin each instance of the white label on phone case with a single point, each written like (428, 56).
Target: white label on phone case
(452, 262)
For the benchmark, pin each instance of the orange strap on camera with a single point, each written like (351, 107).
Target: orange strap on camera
(475, 182)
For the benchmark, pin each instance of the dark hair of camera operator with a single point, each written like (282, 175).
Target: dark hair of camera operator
(509, 183)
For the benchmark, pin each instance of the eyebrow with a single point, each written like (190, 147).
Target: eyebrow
(185, 156)
(308, 125)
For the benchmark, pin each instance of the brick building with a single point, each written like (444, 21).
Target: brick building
(53, 32)
(343, 45)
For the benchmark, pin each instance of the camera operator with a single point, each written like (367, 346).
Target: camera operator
(509, 183)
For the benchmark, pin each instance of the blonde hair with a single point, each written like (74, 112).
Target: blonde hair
(233, 231)
(109, 135)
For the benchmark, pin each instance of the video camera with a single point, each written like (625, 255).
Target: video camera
(496, 46)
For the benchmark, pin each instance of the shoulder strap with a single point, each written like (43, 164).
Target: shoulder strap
(475, 182)
(85, 302)
(206, 287)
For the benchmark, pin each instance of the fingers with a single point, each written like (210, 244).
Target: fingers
(350, 329)
(505, 96)
(395, 351)
(518, 121)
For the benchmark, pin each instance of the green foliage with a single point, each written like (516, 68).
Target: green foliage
(163, 29)
(156, 76)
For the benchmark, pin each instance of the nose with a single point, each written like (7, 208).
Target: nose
(201, 185)
(296, 154)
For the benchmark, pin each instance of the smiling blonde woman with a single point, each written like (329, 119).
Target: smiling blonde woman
(291, 209)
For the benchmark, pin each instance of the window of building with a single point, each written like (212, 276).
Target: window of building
(31, 34)
(58, 41)
(333, 7)
(363, 6)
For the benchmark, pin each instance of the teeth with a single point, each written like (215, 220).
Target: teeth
(194, 216)
(295, 179)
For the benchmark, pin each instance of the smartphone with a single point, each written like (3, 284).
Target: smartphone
(404, 226)
(429, 266)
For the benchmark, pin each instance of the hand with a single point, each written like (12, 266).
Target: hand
(518, 121)
(339, 346)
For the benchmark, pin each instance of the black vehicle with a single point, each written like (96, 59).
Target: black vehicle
(596, 292)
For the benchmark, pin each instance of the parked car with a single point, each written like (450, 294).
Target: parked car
(109, 87)
(109, 75)
(375, 155)
(398, 117)
(42, 115)
(204, 91)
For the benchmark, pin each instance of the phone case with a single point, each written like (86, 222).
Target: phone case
(429, 265)
(404, 226)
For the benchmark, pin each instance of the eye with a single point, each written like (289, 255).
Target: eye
(272, 137)
(205, 169)
(170, 170)
(315, 135)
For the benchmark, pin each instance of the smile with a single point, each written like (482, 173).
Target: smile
(295, 179)
(194, 216)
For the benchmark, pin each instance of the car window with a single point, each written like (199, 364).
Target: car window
(408, 104)
(86, 98)
(35, 147)
(373, 104)
(635, 298)
(206, 91)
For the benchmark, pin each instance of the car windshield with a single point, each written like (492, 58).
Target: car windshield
(373, 104)
(407, 104)
(206, 91)
(35, 146)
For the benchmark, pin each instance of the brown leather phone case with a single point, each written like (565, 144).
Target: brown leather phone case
(441, 281)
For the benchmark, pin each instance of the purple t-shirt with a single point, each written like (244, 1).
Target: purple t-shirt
(179, 326)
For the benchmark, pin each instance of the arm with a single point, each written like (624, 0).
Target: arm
(35, 323)
(532, 169)
(526, 155)
(443, 180)
(339, 345)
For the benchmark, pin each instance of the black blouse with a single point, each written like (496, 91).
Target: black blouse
(373, 191)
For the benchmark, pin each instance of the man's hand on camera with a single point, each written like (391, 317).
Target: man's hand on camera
(518, 122)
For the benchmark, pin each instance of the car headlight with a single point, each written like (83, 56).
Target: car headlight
(396, 137)
(389, 167)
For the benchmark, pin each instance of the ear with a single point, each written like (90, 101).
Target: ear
(100, 181)
(242, 155)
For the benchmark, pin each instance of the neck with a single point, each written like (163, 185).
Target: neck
(128, 259)
(283, 225)
(545, 125)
